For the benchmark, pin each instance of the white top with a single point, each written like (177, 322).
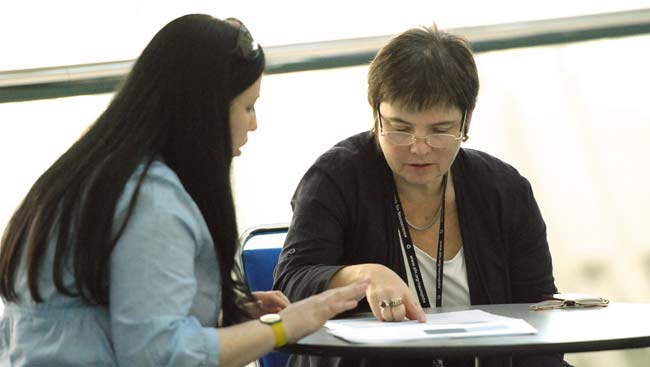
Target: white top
(455, 290)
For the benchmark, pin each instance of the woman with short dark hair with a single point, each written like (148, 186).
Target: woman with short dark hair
(406, 207)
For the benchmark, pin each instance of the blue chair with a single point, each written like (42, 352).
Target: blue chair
(259, 263)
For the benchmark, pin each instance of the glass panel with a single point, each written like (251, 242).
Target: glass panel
(571, 118)
(68, 32)
(33, 135)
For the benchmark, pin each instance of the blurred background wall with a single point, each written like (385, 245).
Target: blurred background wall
(571, 117)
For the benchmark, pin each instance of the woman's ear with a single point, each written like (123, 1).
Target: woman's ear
(375, 117)
(468, 120)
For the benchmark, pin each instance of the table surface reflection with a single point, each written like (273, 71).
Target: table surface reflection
(618, 326)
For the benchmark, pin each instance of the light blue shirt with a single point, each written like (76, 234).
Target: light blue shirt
(165, 293)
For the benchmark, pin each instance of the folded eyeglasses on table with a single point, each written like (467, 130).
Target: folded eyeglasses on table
(570, 300)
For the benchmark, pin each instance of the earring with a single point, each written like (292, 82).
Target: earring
(465, 138)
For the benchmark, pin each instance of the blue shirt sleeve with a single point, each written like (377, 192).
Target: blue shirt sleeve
(153, 283)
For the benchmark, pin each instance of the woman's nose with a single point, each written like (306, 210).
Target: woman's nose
(420, 146)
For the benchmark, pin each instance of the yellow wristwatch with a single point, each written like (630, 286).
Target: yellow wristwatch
(275, 321)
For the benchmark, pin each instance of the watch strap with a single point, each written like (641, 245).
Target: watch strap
(280, 334)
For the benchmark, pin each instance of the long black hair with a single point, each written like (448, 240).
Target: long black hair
(174, 104)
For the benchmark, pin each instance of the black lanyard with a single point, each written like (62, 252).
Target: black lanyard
(410, 251)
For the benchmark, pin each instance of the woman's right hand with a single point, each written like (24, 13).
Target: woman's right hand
(386, 285)
(305, 317)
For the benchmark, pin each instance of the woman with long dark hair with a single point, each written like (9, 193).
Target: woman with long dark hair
(123, 251)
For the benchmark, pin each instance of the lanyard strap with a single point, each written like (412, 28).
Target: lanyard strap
(412, 260)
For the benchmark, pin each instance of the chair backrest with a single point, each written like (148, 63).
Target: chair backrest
(259, 263)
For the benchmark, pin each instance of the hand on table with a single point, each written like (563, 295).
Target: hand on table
(386, 286)
(267, 302)
(304, 317)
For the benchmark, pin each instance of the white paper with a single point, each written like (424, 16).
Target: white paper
(458, 324)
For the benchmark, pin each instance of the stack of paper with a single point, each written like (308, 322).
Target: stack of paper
(458, 324)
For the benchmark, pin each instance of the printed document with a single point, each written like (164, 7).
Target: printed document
(459, 324)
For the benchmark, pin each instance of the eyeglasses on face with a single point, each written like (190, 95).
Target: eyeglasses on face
(246, 46)
(401, 138)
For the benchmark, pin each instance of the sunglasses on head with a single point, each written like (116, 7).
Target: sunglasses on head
(246, 46)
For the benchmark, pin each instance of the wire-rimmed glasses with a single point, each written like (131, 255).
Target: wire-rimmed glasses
(402, 138)
(246, 46)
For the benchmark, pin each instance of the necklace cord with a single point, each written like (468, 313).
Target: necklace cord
(424, 228)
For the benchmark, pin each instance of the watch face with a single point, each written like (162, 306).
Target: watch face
(270, 318)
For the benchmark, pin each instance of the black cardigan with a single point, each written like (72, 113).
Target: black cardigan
(343, 215)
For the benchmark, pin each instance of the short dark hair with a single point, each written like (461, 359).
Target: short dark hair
(424, 68)
(174, 104)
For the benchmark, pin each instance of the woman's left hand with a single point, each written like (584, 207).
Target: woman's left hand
(267, 302)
